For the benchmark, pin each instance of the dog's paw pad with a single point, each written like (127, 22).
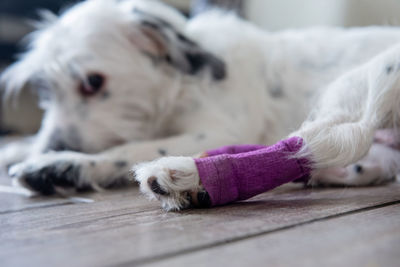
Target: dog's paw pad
(155, 186)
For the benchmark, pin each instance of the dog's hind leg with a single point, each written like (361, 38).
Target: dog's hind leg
(341, 129)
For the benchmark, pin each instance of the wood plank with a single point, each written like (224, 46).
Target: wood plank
(129, 230)
(12, 202)
(370, 238)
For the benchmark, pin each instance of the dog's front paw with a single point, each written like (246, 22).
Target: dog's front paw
(174, 181)
(51, 173)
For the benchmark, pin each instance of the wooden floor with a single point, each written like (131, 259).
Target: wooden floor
(290, 226)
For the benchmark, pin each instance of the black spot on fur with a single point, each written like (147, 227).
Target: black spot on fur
(358, 169)
(198, 61)
(92, 163)
(45, 179)
(105, 95)
(157, 21)
(40, 184)
(204, 199)
(162, 152)
(218, 68)
(186, 40)
(276, 92)
(156, 188)
(67, 177)
(181, 48)
(389, 69)
(120, 164)
(151, 25)
(200, 137)
(168, 59)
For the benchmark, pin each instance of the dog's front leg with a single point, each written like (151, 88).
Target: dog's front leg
(47, 173)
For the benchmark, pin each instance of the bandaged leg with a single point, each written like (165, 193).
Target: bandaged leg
(235, 149)
(240, 172)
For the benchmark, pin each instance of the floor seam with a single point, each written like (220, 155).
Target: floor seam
(145, 261)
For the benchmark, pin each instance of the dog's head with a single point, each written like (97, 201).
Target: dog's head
(106, 70)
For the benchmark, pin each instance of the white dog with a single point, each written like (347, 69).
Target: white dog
(129, 81)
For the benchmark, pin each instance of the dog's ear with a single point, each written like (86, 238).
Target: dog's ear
(16, 76)
(163, 42)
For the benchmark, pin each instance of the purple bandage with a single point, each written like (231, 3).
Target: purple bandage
(233, 149)
(240, 172)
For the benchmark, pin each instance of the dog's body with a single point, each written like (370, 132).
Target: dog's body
(176, 87)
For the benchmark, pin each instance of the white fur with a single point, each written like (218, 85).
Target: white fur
(328, 85)
(164, 170)
(381, 165)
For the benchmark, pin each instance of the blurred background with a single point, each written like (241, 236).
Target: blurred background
(272, 15)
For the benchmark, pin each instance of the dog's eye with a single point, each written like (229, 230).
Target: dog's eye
(93, 85)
